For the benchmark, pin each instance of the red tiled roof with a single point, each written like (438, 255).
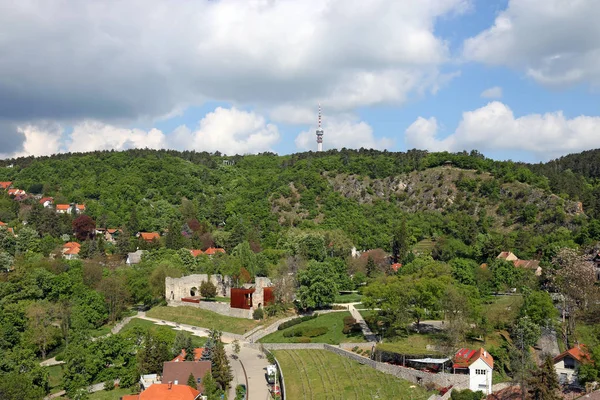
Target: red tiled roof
(111, 231)
(196, 253)
(166, 391)
(5, 185)
(579, 353)
(71, 244)
(45, 199)
(2, 223)
(396, 267)
(214, 250)
(81, 207)
(131, 397)
(529, 264)
(63, 206)
(197, 355)
(180, 371)
(71, 248)
(465, 357)
(149, 236)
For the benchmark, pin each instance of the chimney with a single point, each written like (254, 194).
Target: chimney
(485, 353)
(170, 385)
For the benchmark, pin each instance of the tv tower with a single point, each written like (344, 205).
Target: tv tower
(319, 133)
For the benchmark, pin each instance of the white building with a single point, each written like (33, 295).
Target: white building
(479, 364)
(567, 363)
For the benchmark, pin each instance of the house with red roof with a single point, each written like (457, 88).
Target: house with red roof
(165, 391)
(5, 185)
(16, 192)
(533, 265)
(179, 372)
(197, 355)
(396, 266)
(46, 202)
(149, 236)
(567, 363)
(196, 253)
(211, 251)
(479, 365)
(68, 208)
(70, 250)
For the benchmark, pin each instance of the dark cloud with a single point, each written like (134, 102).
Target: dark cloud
(11, 140)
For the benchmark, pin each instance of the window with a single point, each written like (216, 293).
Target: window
(482, 387)
(480, 372)
(569, 363)
(198, 380)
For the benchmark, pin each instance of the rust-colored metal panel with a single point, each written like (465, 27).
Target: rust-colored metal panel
(241, 298)
(269, 298)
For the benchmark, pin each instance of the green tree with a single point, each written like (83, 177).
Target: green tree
(400, 242)
(318, 286)
(538, 306)
(153, 353)
(211, 389)
(191, 382)
(208, 290)
(543, 382)
(370, 268)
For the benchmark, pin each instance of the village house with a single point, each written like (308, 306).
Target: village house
(211, 251)
(109, 234)
(395, 267)
(5, 185)
(197, 355)
(70, 250)
(178, 372)
(196, 253)
(148, 236)
(478, 364)
(532, 265)
(2, 224)
(166, 391)
(16, 192)
(46, 202)
(567, 363)
(68, 208)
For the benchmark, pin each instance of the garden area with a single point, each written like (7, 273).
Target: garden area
(320, 374)
(167, 332)
(205, 319)
(331, 328)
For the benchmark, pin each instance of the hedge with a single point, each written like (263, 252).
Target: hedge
(295, 321)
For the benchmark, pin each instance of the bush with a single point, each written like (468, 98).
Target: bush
(302, 339)
(314, 332)
(60, 357)
(295, 321)
(258, 314)
(466, 395)
(355, 348)
(208, 290)
(350, 325)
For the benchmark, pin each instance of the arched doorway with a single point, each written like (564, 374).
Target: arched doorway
(193, 291)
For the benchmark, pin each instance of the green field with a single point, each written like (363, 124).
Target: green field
(503, 310)
(413, 344)
(425, 246)
(320, 374)
(55, 374)
(161, 330)
(333, 321)
(204, 318)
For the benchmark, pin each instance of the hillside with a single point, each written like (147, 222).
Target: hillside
(363, 193)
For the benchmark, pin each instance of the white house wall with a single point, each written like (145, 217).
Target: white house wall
(480, 382)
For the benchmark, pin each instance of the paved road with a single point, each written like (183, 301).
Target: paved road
(255, 365)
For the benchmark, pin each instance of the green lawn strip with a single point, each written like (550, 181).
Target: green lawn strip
(327, 386)
(161, 330)
(203, 318)
(300, 361)
(110, 394)
(333, 381)
(348, 298)
(293, 363)
(346, 365)
(55, 374)
(333, 321)
(413, 344)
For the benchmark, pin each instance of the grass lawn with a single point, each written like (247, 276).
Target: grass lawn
(110, 394)
(205, 319)
(333, 321)
(320, 374)
(348, 298)
(413, 344)
(503, 310)
(55, 374)
(218, 299)
(163, 330)
(586, 334)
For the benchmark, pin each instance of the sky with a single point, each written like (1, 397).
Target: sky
(513, 79)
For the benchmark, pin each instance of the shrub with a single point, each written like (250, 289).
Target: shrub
(293, 333)
(302, 339)
(60, 357)
(349, 320)
(355, 348)
(314, 332)
(295, 321)
(258, 314)
(359, 351)
(208, 290)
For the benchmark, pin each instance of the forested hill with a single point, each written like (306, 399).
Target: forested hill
(471, 204)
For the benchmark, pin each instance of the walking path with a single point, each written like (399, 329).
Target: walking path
(251, 365)
(50, 362)
(369, 335)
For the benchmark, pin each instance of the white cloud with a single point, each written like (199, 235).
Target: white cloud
(343, 131)
(552, 41)
(40, 140)
(492, 93)
(229, 131)
(494, 127)
(147, 59)
(293, 114)
(94, 135)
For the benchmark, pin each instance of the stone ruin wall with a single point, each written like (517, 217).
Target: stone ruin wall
(177, 288)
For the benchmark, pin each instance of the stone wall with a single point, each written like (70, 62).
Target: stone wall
(218, 307)
(176, 288)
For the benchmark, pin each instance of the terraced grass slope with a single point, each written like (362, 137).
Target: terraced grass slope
(322, 375)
